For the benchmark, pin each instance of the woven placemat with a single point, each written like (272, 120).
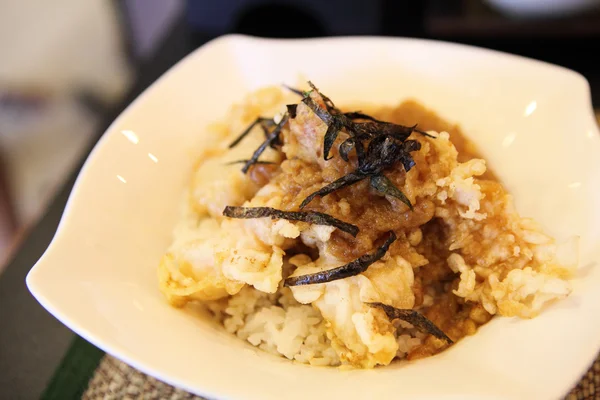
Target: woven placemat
(116, 380)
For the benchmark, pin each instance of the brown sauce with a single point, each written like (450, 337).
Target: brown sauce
(456, 317)
(375, 215)
(411, 112)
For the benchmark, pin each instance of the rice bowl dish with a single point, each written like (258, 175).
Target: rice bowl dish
(333, 237)
(99, 275)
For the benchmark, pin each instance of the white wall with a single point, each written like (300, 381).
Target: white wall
(62, 44)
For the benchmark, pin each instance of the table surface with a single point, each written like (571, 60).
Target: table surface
(32, 342)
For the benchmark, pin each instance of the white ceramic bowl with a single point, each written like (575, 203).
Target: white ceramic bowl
(533, 121)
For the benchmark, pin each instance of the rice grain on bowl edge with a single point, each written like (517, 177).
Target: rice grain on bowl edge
(461, 254)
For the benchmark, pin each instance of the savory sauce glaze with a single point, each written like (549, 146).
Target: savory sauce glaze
(375, 215)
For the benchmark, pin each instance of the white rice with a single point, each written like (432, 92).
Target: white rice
(278, 324)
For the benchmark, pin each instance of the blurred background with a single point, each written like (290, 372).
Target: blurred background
(68, 67)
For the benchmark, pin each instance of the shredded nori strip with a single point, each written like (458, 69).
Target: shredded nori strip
(272, 138)
(418, 320)
(256, 162)
(383, 185)
(264, 122)
(382, 153)
(332, 132)
(355, 267)
(293, 90)
(345, 147)
(291, 109)
(311, 217)
(361, 115)
(328, 103)
(323, 114)
(405, 158)
(342, 182)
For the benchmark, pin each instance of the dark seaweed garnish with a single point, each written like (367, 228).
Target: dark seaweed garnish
(342, 182)
(418, 320)
(352, 268)
(360, 115)
(387, 145)
(291, 109)
(256, 162)
(311, 217)
(271, 139)
(265, 123)
(293, 90)
(382, 153)
(384, 186)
